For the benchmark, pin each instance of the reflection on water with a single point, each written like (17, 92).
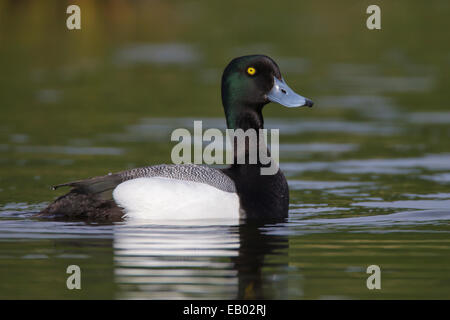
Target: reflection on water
(205, 261)
(160, 262)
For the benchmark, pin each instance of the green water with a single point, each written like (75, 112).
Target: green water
(368, 166)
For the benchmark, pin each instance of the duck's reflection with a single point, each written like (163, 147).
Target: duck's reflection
(255, 245)
(195, 260)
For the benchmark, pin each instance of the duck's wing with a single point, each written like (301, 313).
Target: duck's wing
(189, 172)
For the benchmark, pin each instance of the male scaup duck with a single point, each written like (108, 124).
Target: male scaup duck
(188, 191)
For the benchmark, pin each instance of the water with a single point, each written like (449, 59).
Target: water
(368, 167)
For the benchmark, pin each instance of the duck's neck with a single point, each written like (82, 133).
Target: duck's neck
(241, 115)
(246, 117)
(261, 196)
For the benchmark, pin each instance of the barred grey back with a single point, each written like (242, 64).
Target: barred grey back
(188, 172)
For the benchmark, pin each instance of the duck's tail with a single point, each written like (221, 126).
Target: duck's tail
(88, 199)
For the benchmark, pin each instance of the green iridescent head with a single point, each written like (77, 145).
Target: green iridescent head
(250, 82)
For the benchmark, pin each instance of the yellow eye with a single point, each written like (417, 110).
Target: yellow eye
(251, 71)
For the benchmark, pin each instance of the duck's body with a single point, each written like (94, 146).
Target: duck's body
(193, 191)
(155, 192)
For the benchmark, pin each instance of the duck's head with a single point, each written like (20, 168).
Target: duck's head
(250, 82)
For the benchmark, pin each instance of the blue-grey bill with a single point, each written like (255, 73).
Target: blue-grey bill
(282, 94)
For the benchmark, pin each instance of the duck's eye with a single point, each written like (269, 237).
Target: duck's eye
(251, 71)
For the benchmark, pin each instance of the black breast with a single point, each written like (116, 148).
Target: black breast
(261, 196)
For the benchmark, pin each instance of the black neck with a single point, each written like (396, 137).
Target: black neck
(246, 117)
(249, 117)
(261, 196)
(243, 116)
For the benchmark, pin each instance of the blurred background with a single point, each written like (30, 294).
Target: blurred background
(150, 59)
(80, 103)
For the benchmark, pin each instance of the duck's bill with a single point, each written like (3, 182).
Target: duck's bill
(282, 94)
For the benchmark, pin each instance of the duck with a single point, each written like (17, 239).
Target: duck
(192, 191)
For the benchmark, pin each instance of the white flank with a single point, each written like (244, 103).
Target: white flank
(166, 198)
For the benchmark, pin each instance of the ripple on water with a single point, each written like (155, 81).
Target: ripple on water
(70, 150)
(429, 117)
(383, 221)
(438, 177)
(367, 79)
(18, 222)
(160, 129)
(382, 166)
(371, 106)
(321, 185)
(306, 212)
(408, 204)
(160, 54)
(288, 149)
(432, 195)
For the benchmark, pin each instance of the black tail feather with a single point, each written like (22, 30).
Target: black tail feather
(88, 199)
